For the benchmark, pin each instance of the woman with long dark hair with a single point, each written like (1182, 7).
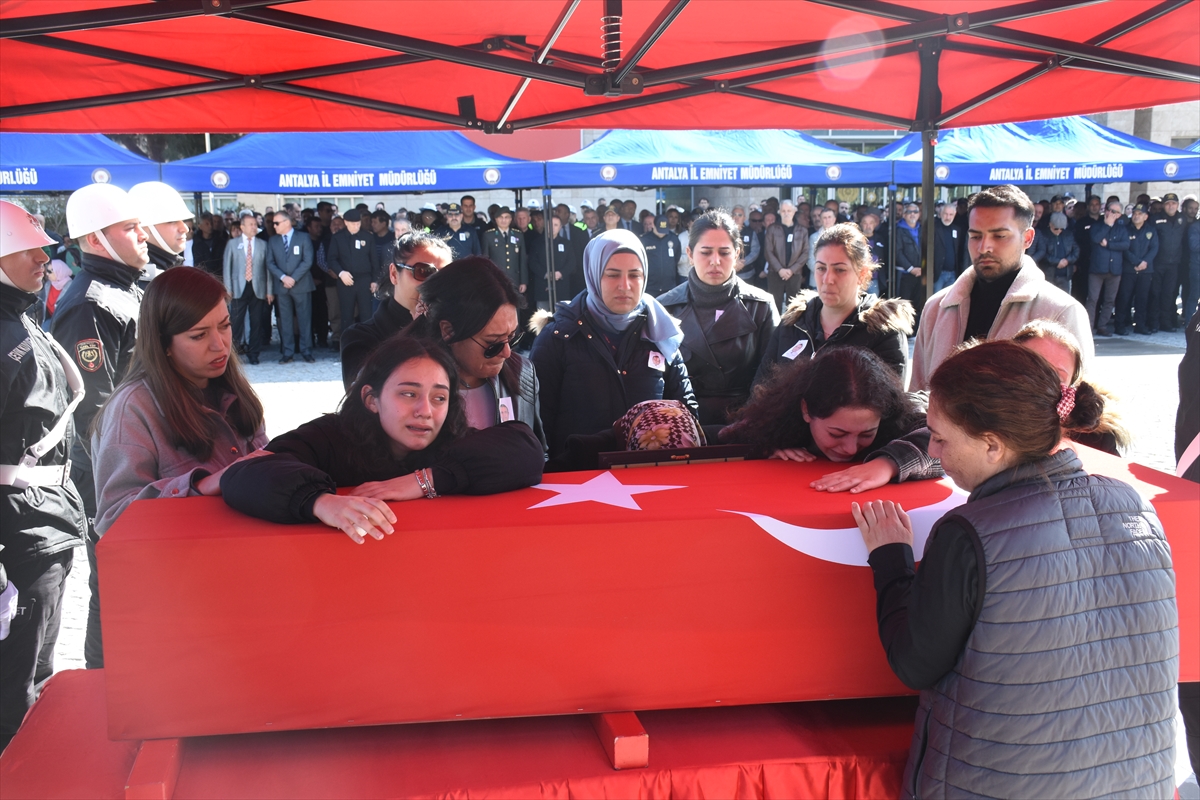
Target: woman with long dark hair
(845, 405)
(471, 307)
(401, 434)
(185, 411)
(1041, 627)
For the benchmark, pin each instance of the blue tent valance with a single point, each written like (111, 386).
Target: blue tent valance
(351, 163)
(63, 162)
(739, 158)
(1053, 151)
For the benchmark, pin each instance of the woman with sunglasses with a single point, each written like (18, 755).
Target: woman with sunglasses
(609, 349)
(416, 257)
(471, 306)
(401, 434)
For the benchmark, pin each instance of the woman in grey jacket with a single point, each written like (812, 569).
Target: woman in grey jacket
(185, 412)
(1041, 627)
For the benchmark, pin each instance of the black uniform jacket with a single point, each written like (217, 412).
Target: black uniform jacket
(354, 253)
(723, 360)
(881, 326)
(314, 459)
(585, 387)
(96, 321)
(39, 520)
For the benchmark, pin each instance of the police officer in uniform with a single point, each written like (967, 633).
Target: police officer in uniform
(1169, 227)
(96, 321)
(506, 248)
(662, 257)
(462, 239)
(163, 214)
(42, 519)
(352, 258)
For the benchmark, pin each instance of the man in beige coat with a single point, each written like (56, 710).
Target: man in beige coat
(787, 255)
(1001, 291)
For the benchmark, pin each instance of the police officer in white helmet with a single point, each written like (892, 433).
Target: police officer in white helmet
(164, 216)
(41, 514)
(96, 321)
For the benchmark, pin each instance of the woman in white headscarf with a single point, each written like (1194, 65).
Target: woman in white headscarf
(611, 347)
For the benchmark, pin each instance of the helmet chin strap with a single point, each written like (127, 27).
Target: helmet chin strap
(153, 231)
(113, 253)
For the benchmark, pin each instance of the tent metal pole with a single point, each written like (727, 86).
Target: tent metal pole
(652, 35)
(548, 232)
(406, 44)
(929, 108)
(539, 58)
(121, 15)
(893, 275)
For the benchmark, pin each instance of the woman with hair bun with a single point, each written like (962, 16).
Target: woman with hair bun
(726, 322)
(1041, 627)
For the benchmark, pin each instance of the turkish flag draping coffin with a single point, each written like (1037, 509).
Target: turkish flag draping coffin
(625, 590)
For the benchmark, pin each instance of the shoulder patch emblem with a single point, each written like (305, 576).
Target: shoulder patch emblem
(90, 354)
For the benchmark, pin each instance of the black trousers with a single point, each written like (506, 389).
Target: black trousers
(1164, 289)
(349, 296)
(250, 303)
(27, 655)
(1135, 290)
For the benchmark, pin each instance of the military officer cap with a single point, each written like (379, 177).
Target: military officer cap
(353, 215)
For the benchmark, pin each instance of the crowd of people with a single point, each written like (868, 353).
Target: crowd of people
(478, 354)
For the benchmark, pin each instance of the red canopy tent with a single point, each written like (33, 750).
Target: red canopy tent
(302, 65)
(313, 65)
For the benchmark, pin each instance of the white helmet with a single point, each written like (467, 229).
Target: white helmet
(96, 206)
(157, 202)
(19, 230)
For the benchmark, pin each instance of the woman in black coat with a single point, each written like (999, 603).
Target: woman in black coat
(840, 312)
(726, 322)
(401, 434)
(610, 348)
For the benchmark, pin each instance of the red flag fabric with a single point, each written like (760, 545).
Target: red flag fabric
(600, 591)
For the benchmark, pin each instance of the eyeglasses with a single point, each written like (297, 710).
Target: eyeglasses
(420, 270)
(912, 211)
(756, 219)
(493, 349)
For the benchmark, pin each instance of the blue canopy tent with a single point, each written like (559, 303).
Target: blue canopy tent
(351, 163)
(1053, 151)
(63, 162)
(740, 158)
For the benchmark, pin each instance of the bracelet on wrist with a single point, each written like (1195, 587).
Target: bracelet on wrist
(425, 483)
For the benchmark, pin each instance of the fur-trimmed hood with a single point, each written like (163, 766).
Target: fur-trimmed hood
(540, 319)
(893, 315)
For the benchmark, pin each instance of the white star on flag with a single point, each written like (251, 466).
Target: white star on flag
(604, 488)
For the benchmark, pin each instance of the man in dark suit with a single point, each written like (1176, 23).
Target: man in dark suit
(246, 280)
(290, 260)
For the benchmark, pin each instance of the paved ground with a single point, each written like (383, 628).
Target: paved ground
(1141, 370)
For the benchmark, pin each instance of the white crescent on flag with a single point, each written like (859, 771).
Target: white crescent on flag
(845, 545)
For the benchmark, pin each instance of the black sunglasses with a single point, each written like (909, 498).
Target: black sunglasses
(493, 349)
(420, 270)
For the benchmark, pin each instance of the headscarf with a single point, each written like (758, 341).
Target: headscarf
(658, 425)
(660, 328)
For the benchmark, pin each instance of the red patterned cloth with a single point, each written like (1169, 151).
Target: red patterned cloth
(659, 425)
